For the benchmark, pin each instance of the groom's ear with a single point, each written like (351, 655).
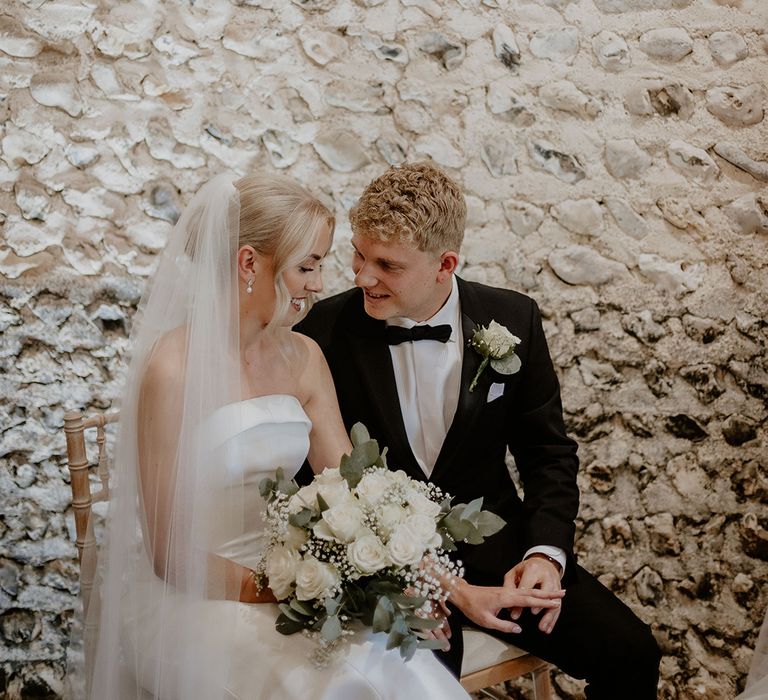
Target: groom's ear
(449, 261)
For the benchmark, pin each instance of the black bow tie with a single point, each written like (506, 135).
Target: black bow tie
(397, 334)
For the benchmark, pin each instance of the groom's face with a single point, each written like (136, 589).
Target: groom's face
(398, 279)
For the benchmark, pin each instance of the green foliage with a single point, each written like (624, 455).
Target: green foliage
(365, 453)
(467, 522)
(302, 518)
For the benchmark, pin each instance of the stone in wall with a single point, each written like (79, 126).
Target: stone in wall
(612, 51)
(668, 43)
(736, 156)
(737, 106)
(625, 159)
(728, 47)
(651, 97)
(583, 216)
(565, 96)
(628, 220)
(563, 166)
(557, 45)
(505, 47)
(693, 162)
(581, 265)
(749, 214)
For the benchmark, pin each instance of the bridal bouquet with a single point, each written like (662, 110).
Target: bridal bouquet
(367, 544)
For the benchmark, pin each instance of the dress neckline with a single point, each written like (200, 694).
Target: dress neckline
(270, 396)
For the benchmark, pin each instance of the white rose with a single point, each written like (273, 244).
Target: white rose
(418, 503)
(314, 578)
(332, 486)
(497, 339)
(305, 497)
(401, 478)
(424, 530)
(367, 554)
(345, 521)
(389, 516)
(373, 486)
(281, 570)
(403, 548)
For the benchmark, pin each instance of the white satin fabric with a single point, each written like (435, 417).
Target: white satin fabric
(258, 436)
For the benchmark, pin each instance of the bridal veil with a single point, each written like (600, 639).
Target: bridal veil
(174, 500)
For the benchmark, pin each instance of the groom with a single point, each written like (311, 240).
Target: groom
(398, 349)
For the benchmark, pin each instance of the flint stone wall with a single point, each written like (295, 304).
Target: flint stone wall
(613, 154)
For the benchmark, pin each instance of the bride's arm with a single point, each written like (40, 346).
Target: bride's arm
(159, 423)
(328, 440)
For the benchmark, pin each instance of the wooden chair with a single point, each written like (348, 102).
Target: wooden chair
(75, 425)
(488, 661)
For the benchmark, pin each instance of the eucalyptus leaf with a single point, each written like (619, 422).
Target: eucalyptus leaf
(332, 605)
(382, 460)
(422, 623)
(287, 486)
(407, 601)
(331, 629)
(394, 640)
(289, 612)
(284, 625)
(351, 469)
(489, 523)
(322, 503)
(302, 607)
(474, 537)
(408, 647)
(400, 625)
(509, 364)
(472, 507)
(301, 518)
(266, 487)
(359, 434)
(383, 615)
(448, 543)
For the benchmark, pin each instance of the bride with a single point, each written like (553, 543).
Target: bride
(221, 393)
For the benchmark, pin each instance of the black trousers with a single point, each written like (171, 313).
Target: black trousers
(597, 638)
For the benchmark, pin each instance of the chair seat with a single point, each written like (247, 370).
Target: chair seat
(481, 651)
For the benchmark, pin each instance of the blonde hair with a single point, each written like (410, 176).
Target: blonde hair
(280, 219)
(414, 203)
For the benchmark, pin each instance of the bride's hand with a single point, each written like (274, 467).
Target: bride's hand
(250, 592)
(442, 633)
(482, 604)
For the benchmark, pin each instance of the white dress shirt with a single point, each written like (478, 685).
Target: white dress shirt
(428, 379)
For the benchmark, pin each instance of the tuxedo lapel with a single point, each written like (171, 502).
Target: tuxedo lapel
(470, 403)
(369, 350)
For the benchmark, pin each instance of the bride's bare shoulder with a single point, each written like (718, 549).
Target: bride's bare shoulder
(165, 365)
(307, 350)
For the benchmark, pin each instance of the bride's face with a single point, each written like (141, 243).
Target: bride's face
(307, 277)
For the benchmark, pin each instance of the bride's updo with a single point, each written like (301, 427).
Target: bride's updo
(281, 219)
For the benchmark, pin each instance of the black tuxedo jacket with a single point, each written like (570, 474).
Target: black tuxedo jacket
(526, 420)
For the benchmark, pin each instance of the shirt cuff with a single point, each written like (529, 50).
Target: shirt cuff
(555, 552)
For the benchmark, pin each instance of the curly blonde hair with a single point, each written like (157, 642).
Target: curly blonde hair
(415, 203)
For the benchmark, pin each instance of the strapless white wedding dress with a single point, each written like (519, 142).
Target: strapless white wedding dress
(262, 434)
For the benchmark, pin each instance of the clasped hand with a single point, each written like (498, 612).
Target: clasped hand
(533, 583)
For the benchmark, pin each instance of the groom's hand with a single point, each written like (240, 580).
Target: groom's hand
(536, 572)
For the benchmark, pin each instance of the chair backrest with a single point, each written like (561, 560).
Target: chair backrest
(75, 427)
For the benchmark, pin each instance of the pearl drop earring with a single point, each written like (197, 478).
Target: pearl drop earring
(249, 286)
